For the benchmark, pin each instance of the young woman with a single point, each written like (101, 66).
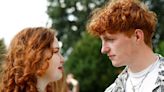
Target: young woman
(33, 60)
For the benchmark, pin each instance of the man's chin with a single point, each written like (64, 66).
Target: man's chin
(115, 64)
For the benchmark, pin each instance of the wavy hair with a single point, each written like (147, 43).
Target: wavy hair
(26, 59)
(123, 16)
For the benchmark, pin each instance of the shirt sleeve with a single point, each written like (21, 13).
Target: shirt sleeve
(110, 88)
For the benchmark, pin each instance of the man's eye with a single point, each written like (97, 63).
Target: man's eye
(111, 40)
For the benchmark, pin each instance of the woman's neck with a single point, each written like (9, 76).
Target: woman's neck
(41, 84)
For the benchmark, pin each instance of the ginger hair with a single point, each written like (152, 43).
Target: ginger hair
(26, 59)
(123, 16)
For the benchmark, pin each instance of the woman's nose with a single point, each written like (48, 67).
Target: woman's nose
(61, 59)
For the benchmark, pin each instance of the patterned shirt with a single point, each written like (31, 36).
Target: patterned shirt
(120, 83)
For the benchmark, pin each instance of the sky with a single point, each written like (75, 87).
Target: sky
(18, 14)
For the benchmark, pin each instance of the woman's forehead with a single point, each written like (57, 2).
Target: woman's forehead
(55, 43)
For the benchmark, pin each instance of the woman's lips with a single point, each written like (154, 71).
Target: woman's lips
(61, 68)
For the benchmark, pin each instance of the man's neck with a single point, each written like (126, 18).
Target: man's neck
(142, 61)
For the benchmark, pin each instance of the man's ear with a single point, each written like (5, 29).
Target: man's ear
(139, 35)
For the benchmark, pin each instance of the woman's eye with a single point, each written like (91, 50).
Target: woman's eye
(56, 51)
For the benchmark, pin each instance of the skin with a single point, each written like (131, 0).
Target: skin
(131, 51)
(55, 69)
(56, 63)
(115, 46)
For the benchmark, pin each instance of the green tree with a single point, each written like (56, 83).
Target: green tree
(2, 52)
(160, 48)
(93, 70)
(69, 18)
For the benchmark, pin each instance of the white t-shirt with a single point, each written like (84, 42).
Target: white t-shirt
(148, 83)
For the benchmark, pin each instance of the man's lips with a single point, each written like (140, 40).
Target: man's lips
(111, 56)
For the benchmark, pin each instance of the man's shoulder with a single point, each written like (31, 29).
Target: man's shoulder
(161, 58)
(118, 85)
(110, 88)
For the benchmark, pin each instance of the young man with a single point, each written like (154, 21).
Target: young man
(126, 28)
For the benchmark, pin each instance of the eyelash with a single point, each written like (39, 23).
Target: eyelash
(55, 51)
(111, 40)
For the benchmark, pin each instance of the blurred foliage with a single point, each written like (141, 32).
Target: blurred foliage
(2, 50)
(93, 70)
(160, 48)
(69, 18)
(2, 53)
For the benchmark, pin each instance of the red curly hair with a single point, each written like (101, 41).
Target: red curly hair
(26, 59)
(123, 16)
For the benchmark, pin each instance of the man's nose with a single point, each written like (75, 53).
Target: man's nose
(105, 49)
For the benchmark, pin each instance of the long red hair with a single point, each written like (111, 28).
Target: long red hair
(26, 59)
